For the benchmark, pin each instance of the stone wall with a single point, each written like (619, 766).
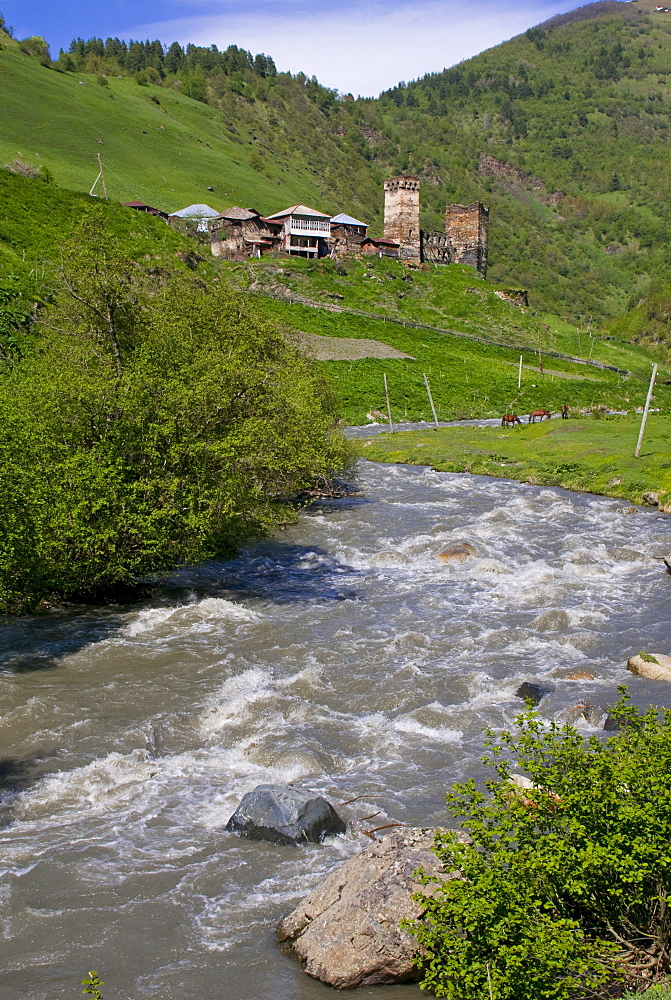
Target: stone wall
(401, 216)
(437, 248)
(468, 228)
(345, 240)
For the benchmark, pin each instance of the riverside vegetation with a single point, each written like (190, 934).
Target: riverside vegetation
(565, 888)
(586, 454)
(149, 419)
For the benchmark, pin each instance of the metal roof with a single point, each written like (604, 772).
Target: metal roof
(347, 220)
(299, 210)
(196, 212)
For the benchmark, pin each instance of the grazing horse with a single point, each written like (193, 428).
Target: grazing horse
(540, 414)
(564, 412)
(510, 419)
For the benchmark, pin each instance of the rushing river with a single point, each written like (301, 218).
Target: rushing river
(341, 654)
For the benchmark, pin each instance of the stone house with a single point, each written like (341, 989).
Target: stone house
(347, 235)
(239, 233)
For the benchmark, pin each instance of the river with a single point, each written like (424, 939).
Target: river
(341, 654)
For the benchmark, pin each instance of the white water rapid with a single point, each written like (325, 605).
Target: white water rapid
(341, 654)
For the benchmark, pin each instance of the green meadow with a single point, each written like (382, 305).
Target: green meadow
(589, 455)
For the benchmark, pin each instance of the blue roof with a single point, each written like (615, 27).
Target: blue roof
(347, 220)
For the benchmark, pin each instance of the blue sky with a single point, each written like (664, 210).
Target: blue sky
(362, 46)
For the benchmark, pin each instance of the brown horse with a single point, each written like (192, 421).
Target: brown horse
(540, 414)
(510, 419)
(564, 412)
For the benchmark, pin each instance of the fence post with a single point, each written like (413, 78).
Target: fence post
(428, 392)
(386, 392)
(645, 411)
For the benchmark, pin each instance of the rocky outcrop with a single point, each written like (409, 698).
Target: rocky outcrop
(654, 666)
(346, 933)
(457, 552)
(285, 815)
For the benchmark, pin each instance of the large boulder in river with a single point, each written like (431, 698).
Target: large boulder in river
(457, 552)
(655, 666)
(285, 815)
(346, 933)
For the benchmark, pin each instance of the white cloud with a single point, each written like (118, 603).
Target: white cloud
(362, 48)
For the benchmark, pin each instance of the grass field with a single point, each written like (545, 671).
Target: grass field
(589, 455)
(166, 153)
(467, 378)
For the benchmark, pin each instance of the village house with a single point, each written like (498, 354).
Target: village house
(375, 247)
(305, 231)
(140, 206)
(347, 235)
(238, 233)
(193, 219)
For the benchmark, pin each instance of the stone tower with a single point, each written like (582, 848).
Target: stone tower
(401, 216)
(468, 228)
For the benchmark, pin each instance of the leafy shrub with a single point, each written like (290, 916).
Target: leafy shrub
(564, 890)
(154, 423)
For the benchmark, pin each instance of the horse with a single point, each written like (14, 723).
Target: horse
(510, 419)
(540, 414)
(564, 412)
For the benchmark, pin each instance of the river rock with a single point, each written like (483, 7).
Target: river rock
(284, 814)
(532, 692)
(346, 932)
(580, 675)
(655, 666)
(651, 498)
(593, 715)
(457, 552)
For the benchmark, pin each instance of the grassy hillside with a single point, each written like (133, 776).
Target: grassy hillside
(159, 146)
(563, 131)
(468, 377)
(38, 220)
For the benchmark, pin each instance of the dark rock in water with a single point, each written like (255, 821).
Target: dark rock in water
(347, 932)
(531, 692)
(285, 815)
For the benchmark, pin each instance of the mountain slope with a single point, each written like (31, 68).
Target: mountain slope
(562, 131)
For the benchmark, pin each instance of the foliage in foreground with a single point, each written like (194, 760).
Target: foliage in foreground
(565, 888)
(92, 985)
(155, 422)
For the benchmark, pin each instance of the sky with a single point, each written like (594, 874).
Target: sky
(356, 46)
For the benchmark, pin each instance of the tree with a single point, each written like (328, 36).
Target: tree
(155, 423)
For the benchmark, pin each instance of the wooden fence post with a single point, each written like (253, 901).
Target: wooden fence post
(645, 411)
(428, 392)
(386, 392)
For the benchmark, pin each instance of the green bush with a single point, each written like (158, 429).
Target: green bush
(564, 890)
(155, 422)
